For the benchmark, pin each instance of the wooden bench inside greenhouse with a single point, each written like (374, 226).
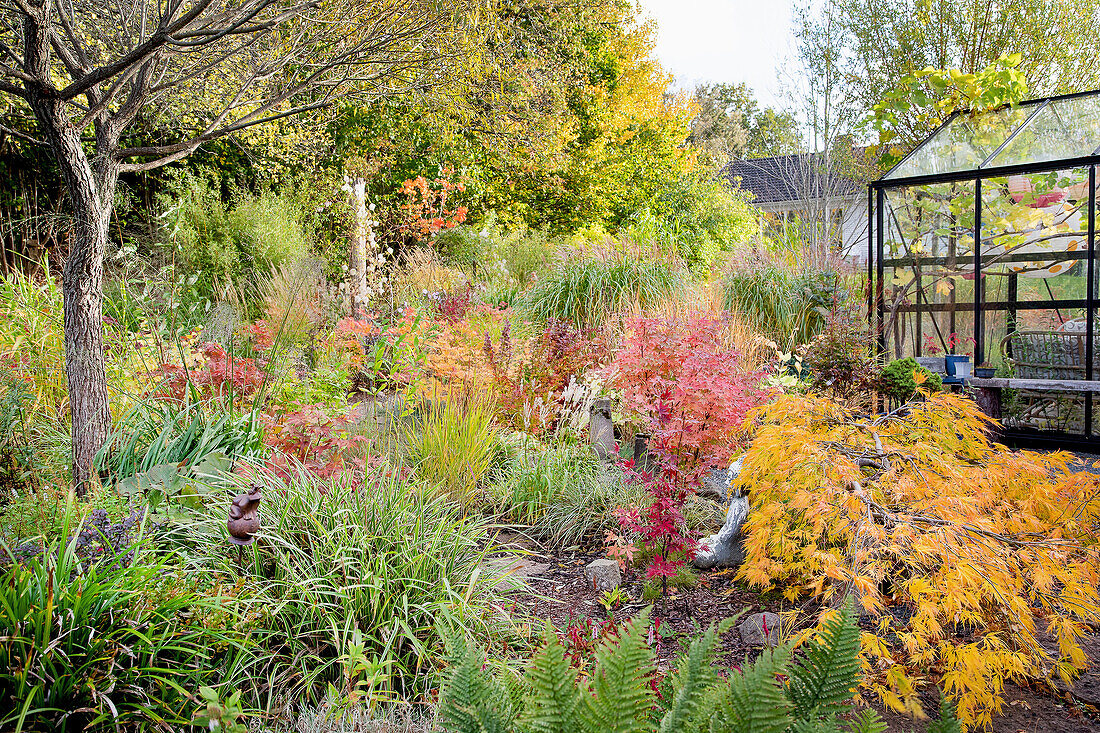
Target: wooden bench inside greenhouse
(987, 392)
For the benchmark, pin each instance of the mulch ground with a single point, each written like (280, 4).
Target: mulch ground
(557, 591)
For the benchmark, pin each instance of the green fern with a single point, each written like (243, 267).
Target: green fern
(693, 685)
(868, 721)
(554, 699)
(619, 699)
(822, 683)
(947, 722)
(754, 701)
(471, 701)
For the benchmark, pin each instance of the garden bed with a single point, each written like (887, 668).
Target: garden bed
(558, 592)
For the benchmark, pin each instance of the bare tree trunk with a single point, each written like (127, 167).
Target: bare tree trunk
(91, 194)
(84, 354)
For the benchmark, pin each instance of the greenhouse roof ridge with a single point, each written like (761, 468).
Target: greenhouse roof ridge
(1046, 133)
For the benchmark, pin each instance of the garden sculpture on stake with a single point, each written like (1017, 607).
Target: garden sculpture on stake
(244, 517)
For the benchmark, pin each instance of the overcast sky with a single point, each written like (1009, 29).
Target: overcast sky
(724, 41)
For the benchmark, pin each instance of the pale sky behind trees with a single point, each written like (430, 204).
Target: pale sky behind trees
(726, 41)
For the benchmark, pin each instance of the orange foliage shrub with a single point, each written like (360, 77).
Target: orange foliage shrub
(976, 564)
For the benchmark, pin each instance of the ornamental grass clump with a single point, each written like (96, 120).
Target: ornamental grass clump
(975, 564)
(103, 639)
(586, 292)
(350, 574)
(452, 446)
(563, 493)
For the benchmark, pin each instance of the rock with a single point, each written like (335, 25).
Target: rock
(719, 483)
(725, 549)
(511, 573)
(603, 574)
(752, 629)
(601, 431)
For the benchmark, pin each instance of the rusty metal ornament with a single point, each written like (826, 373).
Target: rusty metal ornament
(244, 517)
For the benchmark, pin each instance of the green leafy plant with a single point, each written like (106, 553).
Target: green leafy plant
(154, 434)
(900, 379)
(220, 715)
(611, 600)
(98, 644)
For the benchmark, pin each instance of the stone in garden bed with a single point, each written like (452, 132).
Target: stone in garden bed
(603, 574)
(752, 629)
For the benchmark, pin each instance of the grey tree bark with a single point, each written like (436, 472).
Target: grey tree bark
(91, 187)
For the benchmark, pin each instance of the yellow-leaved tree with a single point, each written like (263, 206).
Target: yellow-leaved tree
(973, 564)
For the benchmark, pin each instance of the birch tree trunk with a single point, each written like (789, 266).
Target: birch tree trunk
(357, 252)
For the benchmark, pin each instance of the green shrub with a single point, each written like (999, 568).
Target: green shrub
(342, 570)
(586, 292)
(563, 493)
(896, 380)
(695, 218)
(235, 245)
(110, 645)
(502, 258)
(771, 695)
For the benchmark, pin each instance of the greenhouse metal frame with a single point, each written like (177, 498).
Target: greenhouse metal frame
(983, 239)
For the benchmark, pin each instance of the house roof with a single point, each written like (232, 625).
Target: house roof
(786, 178)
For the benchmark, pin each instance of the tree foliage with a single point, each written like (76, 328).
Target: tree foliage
(891, 39)
(976, 564)
(923, 99)
(731, 124)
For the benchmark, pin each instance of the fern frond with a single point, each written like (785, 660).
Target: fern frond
(868, 721)
(693, 677)
(946, 722)
(470, 700)
(554, 699)
(816, 725)
(620, 698)
(754, 700)
(822, 683)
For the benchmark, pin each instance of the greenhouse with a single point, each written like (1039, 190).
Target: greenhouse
(982, 261)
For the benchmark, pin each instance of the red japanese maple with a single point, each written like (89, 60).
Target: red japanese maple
(681, 377)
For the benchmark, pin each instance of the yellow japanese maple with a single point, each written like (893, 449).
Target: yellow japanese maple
(974, 564)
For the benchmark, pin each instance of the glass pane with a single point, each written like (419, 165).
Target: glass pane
(928, 266)
(1034, 249)
(1066, 128)
(963, 144)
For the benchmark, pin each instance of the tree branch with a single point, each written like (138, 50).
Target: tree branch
(9, 88)
(172, 153)
(143, 51)
(21, 135)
